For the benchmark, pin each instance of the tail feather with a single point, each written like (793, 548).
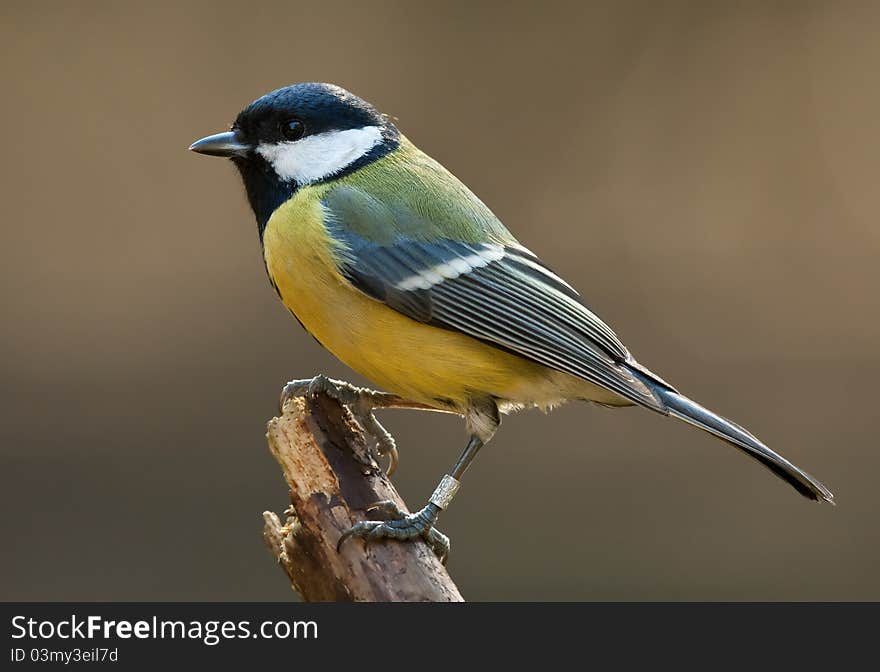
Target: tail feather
(679, 406)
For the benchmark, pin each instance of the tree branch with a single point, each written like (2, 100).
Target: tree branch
(333, 478)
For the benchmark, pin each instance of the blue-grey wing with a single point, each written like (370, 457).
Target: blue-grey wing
(499, 293)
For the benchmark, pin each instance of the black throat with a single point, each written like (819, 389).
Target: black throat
(265, 190)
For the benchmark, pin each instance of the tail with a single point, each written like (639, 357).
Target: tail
(691, 412)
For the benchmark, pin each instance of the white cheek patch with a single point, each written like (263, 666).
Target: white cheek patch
(452, 269)
(315, 157)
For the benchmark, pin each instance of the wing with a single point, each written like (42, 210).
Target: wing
(497, 292)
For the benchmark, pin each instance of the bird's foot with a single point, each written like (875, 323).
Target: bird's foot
(361, 401)
(401, 526)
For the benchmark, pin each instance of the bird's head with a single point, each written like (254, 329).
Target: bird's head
(300, 135)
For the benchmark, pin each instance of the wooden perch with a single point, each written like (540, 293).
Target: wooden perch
(333, 478)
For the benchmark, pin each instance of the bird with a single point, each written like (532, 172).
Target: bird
(402, 273)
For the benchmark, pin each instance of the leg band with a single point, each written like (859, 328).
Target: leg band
(445, 491)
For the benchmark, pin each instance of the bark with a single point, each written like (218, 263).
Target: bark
(328, 464)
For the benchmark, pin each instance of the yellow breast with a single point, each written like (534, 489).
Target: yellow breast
(417, 361)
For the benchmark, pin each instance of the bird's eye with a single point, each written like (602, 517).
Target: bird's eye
(292, 129)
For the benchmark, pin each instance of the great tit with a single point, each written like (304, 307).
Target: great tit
(402, 273)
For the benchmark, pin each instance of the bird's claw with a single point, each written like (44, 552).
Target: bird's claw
(401, 526)
(389, 509)
(360, 401)
(344, 393)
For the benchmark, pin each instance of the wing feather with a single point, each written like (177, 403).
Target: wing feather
(496, 292)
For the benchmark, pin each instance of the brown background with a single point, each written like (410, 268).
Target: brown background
(706, 175)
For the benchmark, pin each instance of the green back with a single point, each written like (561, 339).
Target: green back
(407, 194)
